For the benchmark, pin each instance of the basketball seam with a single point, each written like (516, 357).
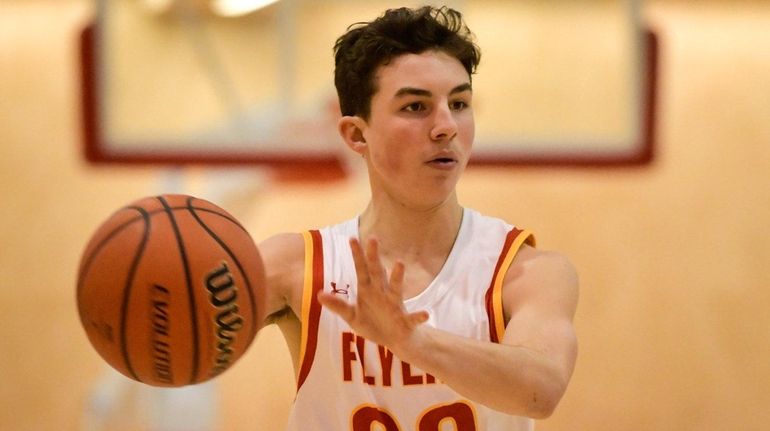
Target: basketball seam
(191, 295)
(98, 247)
(252, 300)
(127, 292)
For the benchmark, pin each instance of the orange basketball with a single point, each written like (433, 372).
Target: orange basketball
(168, 290)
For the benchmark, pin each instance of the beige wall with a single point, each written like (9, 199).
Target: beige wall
(673, 257)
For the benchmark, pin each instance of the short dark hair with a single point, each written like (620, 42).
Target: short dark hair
(367, 46)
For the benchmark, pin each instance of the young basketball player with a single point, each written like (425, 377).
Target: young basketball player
(418, 313)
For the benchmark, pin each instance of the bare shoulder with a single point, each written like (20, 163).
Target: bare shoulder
(283, 256)
(541, 276)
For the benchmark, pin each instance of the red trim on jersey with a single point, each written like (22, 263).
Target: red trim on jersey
(314, 316)
(489, 300)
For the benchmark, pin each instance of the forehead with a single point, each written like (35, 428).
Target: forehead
(435, 71)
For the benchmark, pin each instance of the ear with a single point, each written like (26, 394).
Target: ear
(351, 128)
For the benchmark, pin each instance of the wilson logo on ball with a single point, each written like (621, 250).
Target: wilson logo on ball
(223, 295)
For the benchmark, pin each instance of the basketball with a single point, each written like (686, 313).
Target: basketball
(167, 290)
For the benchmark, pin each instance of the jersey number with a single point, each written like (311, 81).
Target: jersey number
(459, 415)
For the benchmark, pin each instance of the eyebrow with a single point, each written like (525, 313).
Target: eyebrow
(412, 91)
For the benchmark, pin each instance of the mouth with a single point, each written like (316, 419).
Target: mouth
(443, 162)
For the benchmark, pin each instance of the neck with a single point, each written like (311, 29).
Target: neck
(408, 233)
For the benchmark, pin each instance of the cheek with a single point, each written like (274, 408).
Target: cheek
(392, 158)
(393, 153)
(467, 130)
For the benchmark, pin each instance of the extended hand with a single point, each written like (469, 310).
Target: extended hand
(378, 314)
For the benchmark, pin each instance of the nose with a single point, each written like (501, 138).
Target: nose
(444, 124)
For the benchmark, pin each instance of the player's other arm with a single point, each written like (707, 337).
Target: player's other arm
(528, 372)
(539, 300)
(283, 257)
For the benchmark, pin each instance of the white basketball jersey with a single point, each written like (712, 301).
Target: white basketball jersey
(348, 383)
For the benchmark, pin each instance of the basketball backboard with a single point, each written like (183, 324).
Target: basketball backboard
(561, 82)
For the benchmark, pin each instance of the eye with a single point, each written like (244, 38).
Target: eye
(458, 105)
(414, 107)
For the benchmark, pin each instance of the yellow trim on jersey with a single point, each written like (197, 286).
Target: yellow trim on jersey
(497, 290)
(307, 293)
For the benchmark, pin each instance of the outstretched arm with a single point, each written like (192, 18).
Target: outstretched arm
(526, 374)
(283, 257)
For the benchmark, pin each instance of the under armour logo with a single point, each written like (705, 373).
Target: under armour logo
(340, 291)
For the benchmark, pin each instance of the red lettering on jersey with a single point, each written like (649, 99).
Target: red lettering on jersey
(386, 360)
(366, 418)
(459, 414)
(360, 346)
(348, 356)
(409, 379)
(357, 353)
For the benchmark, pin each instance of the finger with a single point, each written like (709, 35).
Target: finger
(374, 264)
(362, 272)
(338, 305)
(396, 283)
